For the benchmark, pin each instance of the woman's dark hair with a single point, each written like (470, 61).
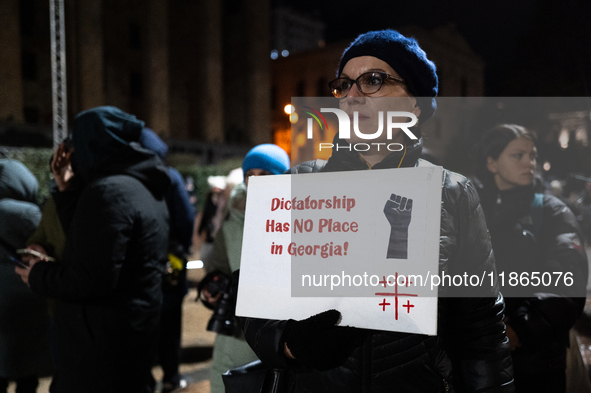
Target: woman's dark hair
(494, 142)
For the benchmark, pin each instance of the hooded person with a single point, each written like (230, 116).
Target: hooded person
(175, 284)
(24, 323)
(470, 352)
(230, 351)
(182, 212)
(108, 287)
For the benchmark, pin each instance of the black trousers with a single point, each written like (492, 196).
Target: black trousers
(169, 342)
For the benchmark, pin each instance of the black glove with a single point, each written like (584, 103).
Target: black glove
(318, 343)
(398, 212)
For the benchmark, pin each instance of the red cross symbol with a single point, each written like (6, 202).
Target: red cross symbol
(396, 294)
(384, 304)
(408, 306)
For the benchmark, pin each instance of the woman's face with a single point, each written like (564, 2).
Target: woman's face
(368, 105)
(515, 165)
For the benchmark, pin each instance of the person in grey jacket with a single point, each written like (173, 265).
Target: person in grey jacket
(24, 321)
(230, 351)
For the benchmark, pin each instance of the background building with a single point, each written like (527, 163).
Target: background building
(194, 71)
(213, 77)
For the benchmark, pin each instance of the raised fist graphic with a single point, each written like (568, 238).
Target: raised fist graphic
(398, 211)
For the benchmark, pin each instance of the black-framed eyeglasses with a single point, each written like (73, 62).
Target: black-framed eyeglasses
(367, 83)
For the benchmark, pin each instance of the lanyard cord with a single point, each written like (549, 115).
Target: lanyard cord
(400, 163)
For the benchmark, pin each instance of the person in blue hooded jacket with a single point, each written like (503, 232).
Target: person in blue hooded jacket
(175, 286)
(108, 287)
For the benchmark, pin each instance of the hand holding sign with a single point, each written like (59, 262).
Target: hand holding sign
(319, 343)
(398, 211)
(334, 256)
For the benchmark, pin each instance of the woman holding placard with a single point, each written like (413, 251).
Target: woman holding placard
(470, 352)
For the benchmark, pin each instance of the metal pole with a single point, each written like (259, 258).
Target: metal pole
(58, 71)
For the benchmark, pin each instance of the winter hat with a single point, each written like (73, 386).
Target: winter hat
(267, 156)
(235, 177)
(406, 57)
(217, 182)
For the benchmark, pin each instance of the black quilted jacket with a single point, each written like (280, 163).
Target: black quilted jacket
(541, 315)
(470, 353)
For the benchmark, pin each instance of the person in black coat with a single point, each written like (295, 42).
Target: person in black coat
(108, 286)
(534, 237)
(470, 352)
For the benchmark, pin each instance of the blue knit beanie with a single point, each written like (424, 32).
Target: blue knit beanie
(267, 156)
(406, 57)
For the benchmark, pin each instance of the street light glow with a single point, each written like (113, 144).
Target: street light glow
(289, 109)
(564, 138)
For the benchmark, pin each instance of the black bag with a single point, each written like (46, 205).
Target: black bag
(255, 377)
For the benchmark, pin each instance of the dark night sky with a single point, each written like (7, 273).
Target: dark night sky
(531, 47)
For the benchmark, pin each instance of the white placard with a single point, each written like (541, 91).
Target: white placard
(351, 241)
